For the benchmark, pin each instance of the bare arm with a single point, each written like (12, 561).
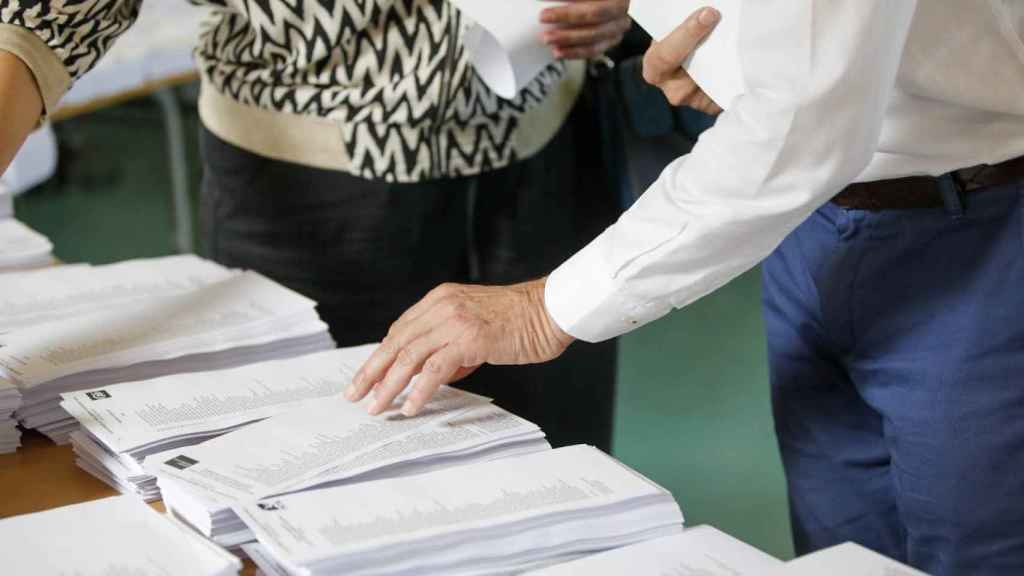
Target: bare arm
(20, 106)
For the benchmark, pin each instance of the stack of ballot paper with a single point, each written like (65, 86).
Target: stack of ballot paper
(22, 247)
(498, 517)
(845, 560)
(10, 436)
(330, 442)
(703, 551)
(60, 292)
(114, 536)
(243, 319)
(123, 424)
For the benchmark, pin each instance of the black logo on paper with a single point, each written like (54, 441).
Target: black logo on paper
(271, 506)
(98, 395)
(181, 462)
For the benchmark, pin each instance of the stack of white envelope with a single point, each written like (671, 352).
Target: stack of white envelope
(330, 442)
(10, 436)
(123, 424)
(243, 319)
(58, 293)
(499, 517)
(113, 536)
(22, 247)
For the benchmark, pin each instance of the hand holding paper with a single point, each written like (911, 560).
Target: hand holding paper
(711, 59)
(511, 42)
(661, 63)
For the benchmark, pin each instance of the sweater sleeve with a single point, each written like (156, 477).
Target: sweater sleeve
(60, 40)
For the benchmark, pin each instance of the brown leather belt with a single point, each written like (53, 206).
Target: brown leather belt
(926, 192)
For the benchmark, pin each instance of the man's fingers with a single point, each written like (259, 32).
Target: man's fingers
(572, 37)
(442, 368)
(409, 361)
(584, 52)
(664, 57)
(584, 12)
(680, 91)
(399, 335)
(372, 371)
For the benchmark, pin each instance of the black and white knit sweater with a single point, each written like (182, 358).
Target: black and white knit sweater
(378, 88)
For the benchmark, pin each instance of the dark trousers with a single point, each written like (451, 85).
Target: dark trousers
(896, 344)
(367, 250)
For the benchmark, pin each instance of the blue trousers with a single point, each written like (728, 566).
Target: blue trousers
(896, 347)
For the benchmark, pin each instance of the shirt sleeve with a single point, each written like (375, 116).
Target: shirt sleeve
(819, 74)
(60, 40)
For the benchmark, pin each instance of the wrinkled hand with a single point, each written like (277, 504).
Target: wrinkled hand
(453, 331)
(663, 62)
(585, 28)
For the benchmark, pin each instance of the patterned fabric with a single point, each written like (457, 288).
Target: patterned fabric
(393, 73)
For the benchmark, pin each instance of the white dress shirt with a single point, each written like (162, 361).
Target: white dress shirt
(838, 91)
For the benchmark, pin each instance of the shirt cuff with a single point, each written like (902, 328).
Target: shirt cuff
(588, 302)
(51, 76)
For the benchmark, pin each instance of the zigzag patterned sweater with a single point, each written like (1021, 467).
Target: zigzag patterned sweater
(381, 89)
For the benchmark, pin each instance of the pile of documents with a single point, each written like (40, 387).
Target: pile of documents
(500, 517)
(114, 536)
(845, 560)
(703, 550)
(60, 292)
(10, 436)
(243, 319)
(22, 247)
(123, 424)
(330, 442)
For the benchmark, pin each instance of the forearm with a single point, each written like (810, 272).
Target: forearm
(21, 105)
(819, 77)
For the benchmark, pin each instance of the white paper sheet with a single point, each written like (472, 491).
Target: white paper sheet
(504, 43)
(700, 551)
(316, 526)
(296, 449)
(244, 310)
(57, 293)
(845, 560)
(21, 246)
(130, 416)
(715, 65)
(113, 536)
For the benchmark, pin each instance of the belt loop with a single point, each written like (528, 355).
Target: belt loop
(952, 196)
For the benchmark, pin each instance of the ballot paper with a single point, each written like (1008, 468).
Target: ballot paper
(59, 292)
(715, 65)
(22, 247)
(331, 442)
(494, 517)
(6, 203)
(10, 436)
(241, 320)
(700, 551)
(263, 560)
(123, 424)
(845, 560)
(118, 536)
(504, 42)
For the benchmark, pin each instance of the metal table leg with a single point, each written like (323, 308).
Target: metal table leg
(179, 168)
